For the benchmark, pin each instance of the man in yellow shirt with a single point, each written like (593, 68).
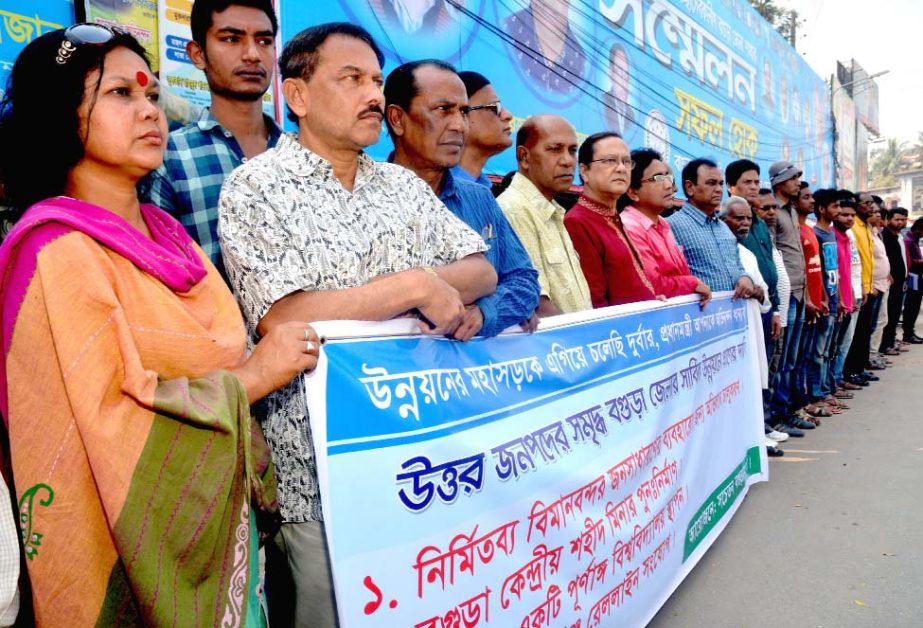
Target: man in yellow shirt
(858, 357)
(546, 151)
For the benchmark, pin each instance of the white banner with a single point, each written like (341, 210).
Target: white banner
(571, 477)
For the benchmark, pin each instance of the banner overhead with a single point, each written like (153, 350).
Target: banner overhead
(569, 477)
(686, 77)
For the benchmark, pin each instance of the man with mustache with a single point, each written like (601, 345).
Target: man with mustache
(709, 245)
(427, 117)
(233, 42)
(546, 151)
(316, 230)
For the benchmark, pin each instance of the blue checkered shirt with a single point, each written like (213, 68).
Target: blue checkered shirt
(517, 291)
(709, 246)
(198, 159)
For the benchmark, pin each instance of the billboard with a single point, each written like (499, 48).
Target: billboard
(864, 93)
(844, 113)
(23, 21)
(690, 78)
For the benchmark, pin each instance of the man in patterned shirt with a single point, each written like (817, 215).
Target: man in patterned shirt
(233, 42)
(315, 230)
(427, 107)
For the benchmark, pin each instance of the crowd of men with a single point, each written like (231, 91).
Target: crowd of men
(305, 226)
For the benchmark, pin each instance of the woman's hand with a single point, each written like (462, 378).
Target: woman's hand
(287, 350)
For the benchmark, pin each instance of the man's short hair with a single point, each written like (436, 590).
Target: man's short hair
(764, 191)
(642, 157)
(847, 198)
(898, 210)
(202, 10)
(401, 85)
(730, 201)
(691, 170)
(736, 169)
(825, 197)
(803, 185)
(917, 225)
(300, 55)
(878, 200)
(585, 153)
(474, 82)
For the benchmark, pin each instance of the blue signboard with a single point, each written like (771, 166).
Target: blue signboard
(23, 21)
(690, 78)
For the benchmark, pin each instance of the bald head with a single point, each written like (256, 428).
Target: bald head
(546, 151)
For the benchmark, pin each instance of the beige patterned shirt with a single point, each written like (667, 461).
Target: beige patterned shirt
(539, 223)
(285, 224)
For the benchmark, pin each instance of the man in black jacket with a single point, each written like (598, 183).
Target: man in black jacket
(895, 221)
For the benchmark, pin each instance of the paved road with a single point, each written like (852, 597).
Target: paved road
(835, 538)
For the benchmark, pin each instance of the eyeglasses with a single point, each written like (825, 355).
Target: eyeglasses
(86, 34)
(611, 162)
(660, 178)
(766, 208)
(496, 107)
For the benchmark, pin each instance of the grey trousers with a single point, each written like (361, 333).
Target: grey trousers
(302, 550)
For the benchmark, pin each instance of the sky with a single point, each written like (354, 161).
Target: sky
(882, 35)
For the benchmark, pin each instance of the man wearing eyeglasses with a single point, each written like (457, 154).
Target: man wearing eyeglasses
(426, 113)
(611, 264)
(651, 191)
(546, 151)
(489, 130)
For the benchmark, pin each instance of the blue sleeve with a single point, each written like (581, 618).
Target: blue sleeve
(517, 291)
(157, 190)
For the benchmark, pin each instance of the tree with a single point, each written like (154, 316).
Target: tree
(785, 21)
(886, 163)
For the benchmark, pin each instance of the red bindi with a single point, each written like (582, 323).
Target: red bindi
(142, 78)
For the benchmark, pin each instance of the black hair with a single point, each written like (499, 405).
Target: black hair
(300, 55)
(878, 200)
(825, 197)
(202, 10)
(917, 225)
(736, 169)
(523, 135)
(847, 198)
(764, 191)
(474, 82)
(39, 125)
(585, 153)
(899, 210)
(691, 170)
(803, 185)
(401, 85)
(643, 157)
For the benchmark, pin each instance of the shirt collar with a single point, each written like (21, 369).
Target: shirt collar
(643, 218)
(698, 215)
(208, 122)
(597, 207)
(449, 189)
(301, 161)
(538, 203)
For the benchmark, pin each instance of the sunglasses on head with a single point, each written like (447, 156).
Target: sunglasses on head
(85, 34)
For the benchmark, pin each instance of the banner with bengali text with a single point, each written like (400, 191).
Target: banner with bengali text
(689, 78)
(571, 477)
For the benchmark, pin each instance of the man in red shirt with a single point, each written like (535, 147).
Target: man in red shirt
(814, 284)
(611, 264)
